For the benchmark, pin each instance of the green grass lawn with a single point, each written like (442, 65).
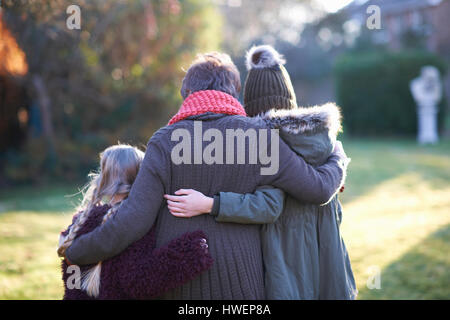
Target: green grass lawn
(30, 222)
(396, 220)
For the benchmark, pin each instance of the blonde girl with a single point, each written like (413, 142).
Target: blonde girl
(141, 271)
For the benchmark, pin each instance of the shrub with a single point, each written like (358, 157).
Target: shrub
(118, 80)
(373, 90)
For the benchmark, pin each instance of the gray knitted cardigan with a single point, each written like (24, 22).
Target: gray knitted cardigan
(237, 272)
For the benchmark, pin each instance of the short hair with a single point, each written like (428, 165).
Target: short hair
(212, 71)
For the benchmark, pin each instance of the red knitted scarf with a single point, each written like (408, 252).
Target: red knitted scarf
(208, 101)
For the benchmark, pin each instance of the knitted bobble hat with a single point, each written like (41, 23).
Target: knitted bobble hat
(268, 85)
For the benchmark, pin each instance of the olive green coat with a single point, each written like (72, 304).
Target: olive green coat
(303, 251)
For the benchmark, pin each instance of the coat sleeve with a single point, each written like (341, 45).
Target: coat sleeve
(134, 217)
(263, 206)
(156, 271)
(308, 184)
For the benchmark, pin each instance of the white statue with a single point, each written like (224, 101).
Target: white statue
(427, 92)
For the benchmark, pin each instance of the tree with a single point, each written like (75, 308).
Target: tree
(117, 78)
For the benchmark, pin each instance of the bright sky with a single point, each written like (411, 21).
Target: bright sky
(333, 5)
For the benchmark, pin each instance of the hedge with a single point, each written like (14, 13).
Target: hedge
(374, 93)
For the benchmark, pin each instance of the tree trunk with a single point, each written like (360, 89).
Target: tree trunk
(46, 114)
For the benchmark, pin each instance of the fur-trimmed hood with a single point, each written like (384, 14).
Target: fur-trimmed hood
(306, 120)
(310, 132)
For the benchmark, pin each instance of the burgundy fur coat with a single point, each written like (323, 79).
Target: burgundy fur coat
(142, 271)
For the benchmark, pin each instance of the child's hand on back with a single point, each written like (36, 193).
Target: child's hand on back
(187, 203)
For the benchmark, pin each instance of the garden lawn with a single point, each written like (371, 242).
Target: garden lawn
(30, 222)
(396, 221)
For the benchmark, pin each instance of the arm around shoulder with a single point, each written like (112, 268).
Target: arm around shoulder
(308, 184)
(133, 219)
(263, 206)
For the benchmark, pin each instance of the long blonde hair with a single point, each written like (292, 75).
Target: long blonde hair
(119, 166)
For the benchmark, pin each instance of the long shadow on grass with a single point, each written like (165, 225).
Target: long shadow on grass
(422, 273)
(376, 161)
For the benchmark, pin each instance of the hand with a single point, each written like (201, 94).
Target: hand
(339, 150)
(199, 238)
(204, 245)
(189, 203)
(61, 250)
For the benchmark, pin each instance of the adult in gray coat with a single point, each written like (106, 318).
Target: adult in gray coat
(304, 254)
(210, 89)
(305, 257)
